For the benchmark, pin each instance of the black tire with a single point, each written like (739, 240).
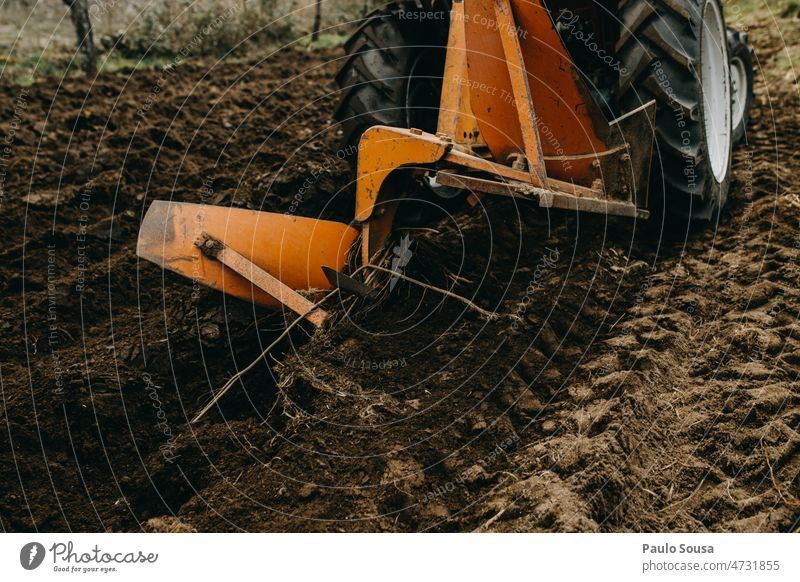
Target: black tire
(740, 55)
(393, 72)
(660, 48)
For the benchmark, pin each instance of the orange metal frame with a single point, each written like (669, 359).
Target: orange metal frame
(515, 119)
(508, 80)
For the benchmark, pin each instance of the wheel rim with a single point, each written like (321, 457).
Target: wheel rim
(715, 78)
(738, 90)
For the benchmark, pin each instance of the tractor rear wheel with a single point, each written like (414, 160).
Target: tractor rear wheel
(393, 72)
(393, 76)
(676, 52)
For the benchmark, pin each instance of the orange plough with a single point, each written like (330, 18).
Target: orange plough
(515, 118)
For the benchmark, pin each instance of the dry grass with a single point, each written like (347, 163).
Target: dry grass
(37, 39)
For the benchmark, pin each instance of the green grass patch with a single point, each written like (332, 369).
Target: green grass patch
(27, 70)
(324, 41)
(112, 63)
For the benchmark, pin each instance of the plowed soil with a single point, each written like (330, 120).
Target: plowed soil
(631, 381)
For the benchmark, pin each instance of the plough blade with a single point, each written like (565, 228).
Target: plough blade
(290, 248)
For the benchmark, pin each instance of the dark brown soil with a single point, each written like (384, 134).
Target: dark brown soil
(632, 381)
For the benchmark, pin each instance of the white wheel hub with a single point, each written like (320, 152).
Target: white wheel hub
(715, 78)
(738, 91)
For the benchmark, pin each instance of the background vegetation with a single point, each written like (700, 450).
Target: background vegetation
(38, 39)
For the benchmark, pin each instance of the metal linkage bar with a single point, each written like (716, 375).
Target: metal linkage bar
(218, 250)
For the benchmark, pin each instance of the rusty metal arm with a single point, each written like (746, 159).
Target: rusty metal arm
(214, 248)
(546, 198)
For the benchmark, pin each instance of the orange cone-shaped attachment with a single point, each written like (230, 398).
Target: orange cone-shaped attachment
(292, 249)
